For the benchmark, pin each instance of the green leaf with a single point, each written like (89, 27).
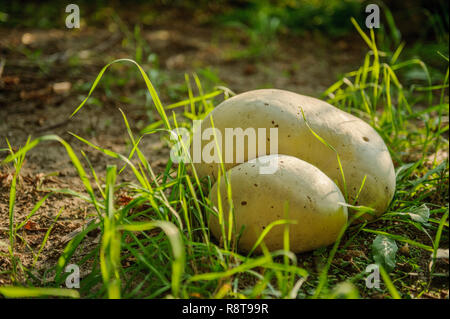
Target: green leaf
(420, 214)
(384, 250)
(345, 290)
(23, 292)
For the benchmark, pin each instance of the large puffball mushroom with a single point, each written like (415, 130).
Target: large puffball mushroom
(363, 153)
(314, 204)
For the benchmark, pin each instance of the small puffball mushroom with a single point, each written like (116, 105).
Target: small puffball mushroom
(362, 151)
(314, 203)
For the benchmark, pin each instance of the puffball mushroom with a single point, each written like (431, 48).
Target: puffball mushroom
(314, 204)
(362, 152)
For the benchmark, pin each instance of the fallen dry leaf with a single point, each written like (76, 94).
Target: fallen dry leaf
(61, 87)
(31, 225)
